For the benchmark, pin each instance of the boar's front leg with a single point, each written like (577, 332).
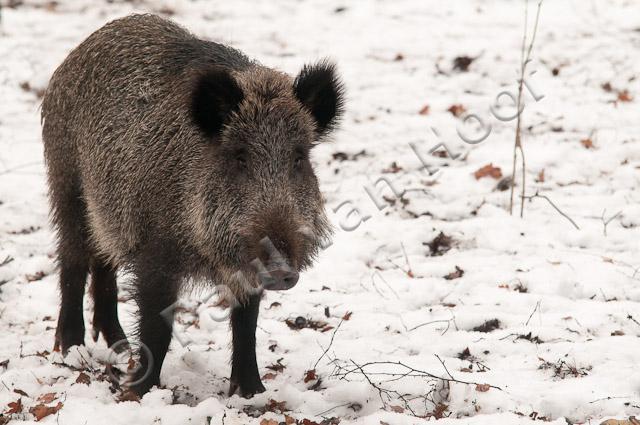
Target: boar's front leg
(155, 292)
(244, 367)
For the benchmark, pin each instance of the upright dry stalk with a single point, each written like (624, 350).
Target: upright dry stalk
(525, 58)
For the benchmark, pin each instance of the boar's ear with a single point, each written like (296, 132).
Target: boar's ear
(216, 94)
(320, 90)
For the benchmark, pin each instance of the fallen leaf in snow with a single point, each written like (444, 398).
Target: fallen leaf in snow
(41, 411)
(439, 245)
(488, 326)
(343, 156)
(47, 398)
(288, 420)
(461, 63)
(268, 376)
(465, 354)
(302, 323)
(268, 422)
(439, 410)
(275, 406)
(392, 169)
(424, 110)
(278, 366)
(619, 332)
(607, 87)
(4, 364)
(35, 277)
(83, 378)
(128, 395)
(624, 96)
(457, 110)
(14, 407)
(631, 421)
(397, 409)
(587, 143)
(310, 375)
(483, 388)
(19, 391)
(488, 171)
(505, 183)
(456, 274)
(540, 178)
(347, 315)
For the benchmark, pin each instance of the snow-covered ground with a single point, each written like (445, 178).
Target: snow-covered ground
(565, 347)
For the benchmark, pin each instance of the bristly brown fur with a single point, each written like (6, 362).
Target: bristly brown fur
(173, 157)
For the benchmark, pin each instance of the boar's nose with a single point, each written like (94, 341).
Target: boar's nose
(279, 279)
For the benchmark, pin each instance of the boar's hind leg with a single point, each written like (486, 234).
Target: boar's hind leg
(244, 367)
(155, 292)
(105, 311)
(73, 259)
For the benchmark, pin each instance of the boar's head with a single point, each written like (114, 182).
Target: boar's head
(260, 214)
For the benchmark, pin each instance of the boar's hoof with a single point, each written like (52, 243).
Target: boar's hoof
(67, 339)
(113, 335)
(142, 386)
(246, 389)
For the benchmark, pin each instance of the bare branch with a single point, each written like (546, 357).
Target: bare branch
(605, 223)
(525, 58)
(537, 195)
(330, 344)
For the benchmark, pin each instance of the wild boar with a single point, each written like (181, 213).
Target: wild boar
(181, 160)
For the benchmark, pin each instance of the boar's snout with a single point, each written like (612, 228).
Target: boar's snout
(280, 279)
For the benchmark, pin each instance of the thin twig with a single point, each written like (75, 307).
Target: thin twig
(6, 261)
(330, 344)
(444, 366)
(448, 321)
(413, 373)
(537, 195)
(533, 312)
(630, 317)
(518, 146)
(605, 223)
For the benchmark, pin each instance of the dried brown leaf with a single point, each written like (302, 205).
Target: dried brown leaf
(483, 388)
(83, 378)
(310, 375)
(488, 171)
(41, 411)
(47, 398)
(587, 143)
(457, 110)
(14, 407)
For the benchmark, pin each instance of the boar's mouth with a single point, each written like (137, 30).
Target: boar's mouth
(274, 248)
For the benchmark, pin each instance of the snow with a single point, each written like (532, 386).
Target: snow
(567, 300)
